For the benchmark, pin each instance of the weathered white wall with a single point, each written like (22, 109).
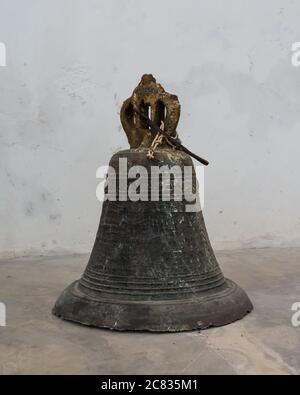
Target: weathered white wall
(71, 63)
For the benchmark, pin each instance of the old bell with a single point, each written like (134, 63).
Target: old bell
(152, 266)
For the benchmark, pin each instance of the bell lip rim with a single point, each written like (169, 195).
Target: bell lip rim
(236, 302)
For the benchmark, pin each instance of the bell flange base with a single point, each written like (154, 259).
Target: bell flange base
(198, 312)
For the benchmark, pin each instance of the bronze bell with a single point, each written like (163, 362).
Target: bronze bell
(152, 266)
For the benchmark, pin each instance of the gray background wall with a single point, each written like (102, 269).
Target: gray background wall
(71, 63)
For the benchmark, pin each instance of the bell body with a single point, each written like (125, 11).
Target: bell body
(152, 266)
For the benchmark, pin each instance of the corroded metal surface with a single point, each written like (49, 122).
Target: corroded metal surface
(151, 250)
(152, 266)
(150, 99)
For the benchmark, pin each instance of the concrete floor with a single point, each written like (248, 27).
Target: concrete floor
(265, 342)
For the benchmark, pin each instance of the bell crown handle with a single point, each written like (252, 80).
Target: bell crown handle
(149, 98)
